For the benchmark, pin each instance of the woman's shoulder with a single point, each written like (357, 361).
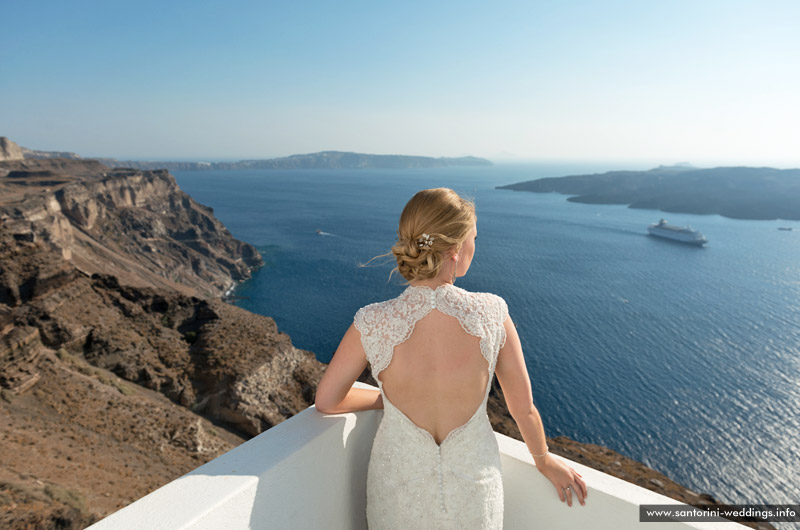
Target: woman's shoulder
(482, 295)
(373, 314)
(490, 302)
(379, 305)
(371, 308)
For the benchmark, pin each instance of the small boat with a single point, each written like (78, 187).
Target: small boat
(682, 234)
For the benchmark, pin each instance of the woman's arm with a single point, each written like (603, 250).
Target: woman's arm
(335, 393)
(512, 374)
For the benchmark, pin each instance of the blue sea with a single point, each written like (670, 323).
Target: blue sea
(685, 358)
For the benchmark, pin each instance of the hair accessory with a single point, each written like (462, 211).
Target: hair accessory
(425, 241)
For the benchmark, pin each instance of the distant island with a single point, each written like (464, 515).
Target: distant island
(758, 193)
(321, 160)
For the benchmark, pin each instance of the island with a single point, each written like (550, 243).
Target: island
(758, 193)
(321, 160)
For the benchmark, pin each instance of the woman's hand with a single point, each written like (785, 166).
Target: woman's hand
(565, 479)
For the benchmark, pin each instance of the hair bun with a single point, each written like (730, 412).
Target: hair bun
(432, 222)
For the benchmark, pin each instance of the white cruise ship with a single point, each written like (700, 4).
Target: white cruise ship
(684, 234)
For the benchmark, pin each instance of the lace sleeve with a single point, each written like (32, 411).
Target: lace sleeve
(503, 315)
(503, 309)
(368, 321)
(358, 321)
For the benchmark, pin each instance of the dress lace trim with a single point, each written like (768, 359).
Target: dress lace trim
(424, 432)
(384, 325)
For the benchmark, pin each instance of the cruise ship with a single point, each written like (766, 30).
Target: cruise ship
(683, 234)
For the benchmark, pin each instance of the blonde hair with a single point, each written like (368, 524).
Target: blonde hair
(442, 214)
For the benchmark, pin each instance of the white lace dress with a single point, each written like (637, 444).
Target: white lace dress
(413, 482)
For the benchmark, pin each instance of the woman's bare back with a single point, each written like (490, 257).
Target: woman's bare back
(437, 377)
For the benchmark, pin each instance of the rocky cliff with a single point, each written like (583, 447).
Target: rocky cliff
(9, 150)
(136, 225)
(120, 367)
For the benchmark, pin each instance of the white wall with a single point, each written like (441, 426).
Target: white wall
(310, 472)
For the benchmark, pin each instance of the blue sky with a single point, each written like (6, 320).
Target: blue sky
(669, 81)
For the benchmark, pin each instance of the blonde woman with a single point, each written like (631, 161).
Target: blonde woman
(433, 350)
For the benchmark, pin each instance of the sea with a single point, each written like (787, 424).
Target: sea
(681, 357)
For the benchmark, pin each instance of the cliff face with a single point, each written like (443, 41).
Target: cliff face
(9, 150)
(136, 225)
(120, 369)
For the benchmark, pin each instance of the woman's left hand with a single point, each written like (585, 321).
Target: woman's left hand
(565, 479)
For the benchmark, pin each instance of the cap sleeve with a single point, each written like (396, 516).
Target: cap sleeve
(502, 312)
(503, 309)
(360, 320)
(365, 321)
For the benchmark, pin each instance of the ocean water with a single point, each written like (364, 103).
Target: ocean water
(687, 359)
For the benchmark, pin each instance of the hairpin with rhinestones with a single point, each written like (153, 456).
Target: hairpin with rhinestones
(425, 241)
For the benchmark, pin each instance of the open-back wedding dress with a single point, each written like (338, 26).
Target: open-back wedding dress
(413, 482)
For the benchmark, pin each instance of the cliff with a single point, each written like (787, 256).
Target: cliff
(9, 150)
(735, 192)
(120, 367)
(138, 226)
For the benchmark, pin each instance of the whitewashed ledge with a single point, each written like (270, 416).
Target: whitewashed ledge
(310, 472)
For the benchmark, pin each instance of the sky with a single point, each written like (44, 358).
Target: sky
(700, 81)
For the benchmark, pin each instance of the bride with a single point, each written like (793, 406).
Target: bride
(433, 351)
